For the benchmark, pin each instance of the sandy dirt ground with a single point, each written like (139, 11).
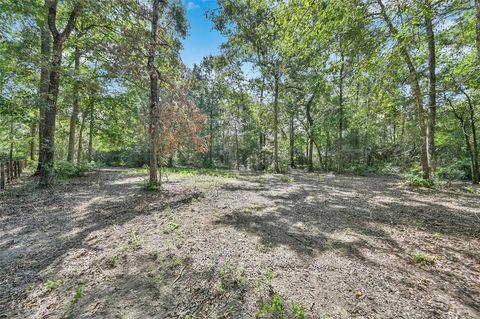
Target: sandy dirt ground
(252, 246)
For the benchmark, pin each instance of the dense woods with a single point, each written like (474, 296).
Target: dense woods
(358, 86)
(315, 160)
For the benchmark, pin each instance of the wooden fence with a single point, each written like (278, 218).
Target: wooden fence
(11, 170)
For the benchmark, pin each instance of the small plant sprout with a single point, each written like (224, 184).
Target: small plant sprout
(437, 236)
(79, 293)
(150, 185)
(269, 275)
(423, 259)
(287, 179)
(154, 281)
(298, 311)
(171, 226)
(112, 261)
(52, 285)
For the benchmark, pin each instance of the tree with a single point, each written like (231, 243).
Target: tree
(47, 143)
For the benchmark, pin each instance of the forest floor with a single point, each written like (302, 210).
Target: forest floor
(246, 246)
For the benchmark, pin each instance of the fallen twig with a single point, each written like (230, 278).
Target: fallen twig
(178, 277)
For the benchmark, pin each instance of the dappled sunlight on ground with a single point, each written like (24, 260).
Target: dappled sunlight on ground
(342, 246)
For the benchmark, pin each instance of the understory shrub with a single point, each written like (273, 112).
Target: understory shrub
(65, 169)
(417, 181)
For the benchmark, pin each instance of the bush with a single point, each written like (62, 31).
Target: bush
(459, 170)
(65, 169)
(416, 181)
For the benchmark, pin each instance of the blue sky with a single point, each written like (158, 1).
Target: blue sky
(202, 40)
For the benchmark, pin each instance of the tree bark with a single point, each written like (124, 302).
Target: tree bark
(33, 132)
(45, 52)
(308, 112)
(76, 107)
(90, 131)
(416, 89)
(432, 93)
(340, 115)
(80, 140)
(154, 116)
(470, 151)
(275, 123)
(292, 141)
(47, 144)
(262, 165)
(210, 155)
(475, 168)
(477, 6)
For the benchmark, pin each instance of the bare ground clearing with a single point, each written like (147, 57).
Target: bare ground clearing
(214, 247)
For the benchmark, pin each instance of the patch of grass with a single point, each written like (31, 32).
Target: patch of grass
(419, 226)
(151, 185)
(28, 289)
(112, 261)
(287, 179)
(171, 226)
(189, 171)
(273, 307)
(79, 294)
(52, 285)
(135, 242)
(269, 275)
(437, 236)
(232, 278)
(272, 304)
(472, 190)
(298, 311)
(154, 282)
(423, 259)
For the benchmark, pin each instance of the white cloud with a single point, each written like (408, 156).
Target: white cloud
(192, 5)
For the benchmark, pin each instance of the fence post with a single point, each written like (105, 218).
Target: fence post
(2, 176)
(20, 167)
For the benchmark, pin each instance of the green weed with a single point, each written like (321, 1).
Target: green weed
(232, 278)
(154, 281)
(437, 236)
(423, 259)
(79, 294)
(112, 261)
(52, 285)
(171, 226)
(151, 185)
(287, 179)
(416, 181)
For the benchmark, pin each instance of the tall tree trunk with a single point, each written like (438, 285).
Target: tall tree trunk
(471, 109)
(477, 6)
(262, 165)
(76, 107)
(80, 140)
(210, 155)
(33, 132)
(308, 112)
(91, 130)
(416, 89)
(432, 93)
(47, 144)
(154, 116)
(340, 115)
(45, 52)
(275, 123)
(292, 141)
(470, 151)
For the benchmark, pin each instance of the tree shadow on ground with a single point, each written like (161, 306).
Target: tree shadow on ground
(34, 241)
(320, 214)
